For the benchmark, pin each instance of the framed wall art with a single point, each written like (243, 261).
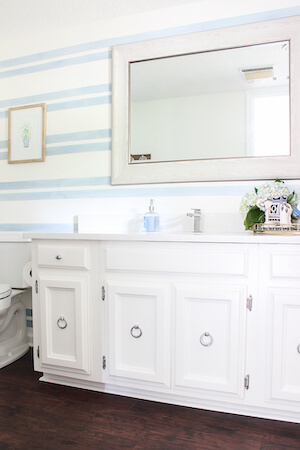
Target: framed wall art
(27, 134)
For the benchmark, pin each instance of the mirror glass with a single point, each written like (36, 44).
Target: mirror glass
(218, 104)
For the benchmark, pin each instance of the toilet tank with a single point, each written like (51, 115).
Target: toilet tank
(14, 254)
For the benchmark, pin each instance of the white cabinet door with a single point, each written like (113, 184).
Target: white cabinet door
(284, 344)
(63, 308)
(139, 331)
(280, 291)
(210, 338)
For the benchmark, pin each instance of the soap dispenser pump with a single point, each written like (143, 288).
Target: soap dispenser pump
(151, 219)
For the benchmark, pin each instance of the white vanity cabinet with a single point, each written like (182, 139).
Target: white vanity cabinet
(177, 317)
(205, 321)
(63, 309)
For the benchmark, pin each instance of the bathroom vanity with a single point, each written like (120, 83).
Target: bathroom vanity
(208, 321)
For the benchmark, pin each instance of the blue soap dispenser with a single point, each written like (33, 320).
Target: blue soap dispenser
(151, 219)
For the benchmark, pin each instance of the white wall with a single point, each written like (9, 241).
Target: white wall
(70, 70)
(172, 127)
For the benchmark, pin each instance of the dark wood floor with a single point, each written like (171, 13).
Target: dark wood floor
(35, 415)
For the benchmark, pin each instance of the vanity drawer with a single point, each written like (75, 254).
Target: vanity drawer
(65, 256)
(285, 262)
(209, 259)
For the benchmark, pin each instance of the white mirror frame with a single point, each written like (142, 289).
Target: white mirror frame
(283, 167)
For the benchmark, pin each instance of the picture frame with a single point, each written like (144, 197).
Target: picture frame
(27, 134)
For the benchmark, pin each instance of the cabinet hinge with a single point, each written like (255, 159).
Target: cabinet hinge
(104, 363)
(250, 302)
(38, 352)
(247, 382)
(103, 293)
(36, 286)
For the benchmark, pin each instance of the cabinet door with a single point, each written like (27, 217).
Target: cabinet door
(139, 332)
(63, 306)
(210, 338)
(284, 343)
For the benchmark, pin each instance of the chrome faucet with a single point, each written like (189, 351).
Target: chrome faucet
(196, 214)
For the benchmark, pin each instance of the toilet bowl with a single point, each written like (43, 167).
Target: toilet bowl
(5, 298)
(15, 254)
(13, 330)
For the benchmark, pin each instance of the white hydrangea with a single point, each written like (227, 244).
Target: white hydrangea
(268, 190)
(264, 192)
(247, 202)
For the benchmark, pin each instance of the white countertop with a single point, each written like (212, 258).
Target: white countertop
(13, 236)
(245, 237)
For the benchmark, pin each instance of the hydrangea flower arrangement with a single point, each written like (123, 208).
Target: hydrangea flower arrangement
(249, 206)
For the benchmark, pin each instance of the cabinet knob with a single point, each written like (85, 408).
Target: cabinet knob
(136, 332)
(62, 323)
(58, 257)
(206, 339)
(298, 348)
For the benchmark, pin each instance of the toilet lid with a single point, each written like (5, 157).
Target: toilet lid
(5, 291)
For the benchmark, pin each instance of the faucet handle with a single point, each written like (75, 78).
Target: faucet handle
(196, 210)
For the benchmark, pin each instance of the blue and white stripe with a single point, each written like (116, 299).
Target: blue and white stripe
(75, 83)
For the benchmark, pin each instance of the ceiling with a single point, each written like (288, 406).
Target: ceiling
(208, 72)
(42, 15)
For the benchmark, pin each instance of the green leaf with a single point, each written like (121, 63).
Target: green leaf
(290, 197)
(254, 215)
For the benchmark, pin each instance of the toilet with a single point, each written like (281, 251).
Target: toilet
(14, 255)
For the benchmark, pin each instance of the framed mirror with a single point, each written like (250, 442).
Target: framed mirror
(209, 106)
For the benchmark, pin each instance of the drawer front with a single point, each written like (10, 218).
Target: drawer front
(285, 264)
(64, 256)
(280, 263)
(192, 258)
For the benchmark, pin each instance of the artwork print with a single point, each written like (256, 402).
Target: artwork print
(27, 134)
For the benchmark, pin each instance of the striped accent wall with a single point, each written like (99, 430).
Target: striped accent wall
(75, 83)
(29, 317)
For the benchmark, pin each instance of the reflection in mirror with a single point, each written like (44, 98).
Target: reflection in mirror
(229, 103)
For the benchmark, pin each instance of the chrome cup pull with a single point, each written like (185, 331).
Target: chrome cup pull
(206, 339)
(58, 257)
(136, 332)
(62, 323)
